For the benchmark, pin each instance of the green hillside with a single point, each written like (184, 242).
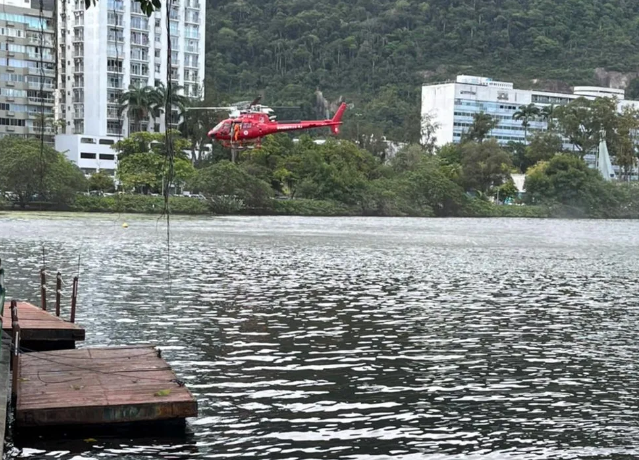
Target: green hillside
(377, 53)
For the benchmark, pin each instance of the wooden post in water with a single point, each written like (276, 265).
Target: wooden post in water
(15, 356)
(74, 298)
(58, 291)
(43, 289)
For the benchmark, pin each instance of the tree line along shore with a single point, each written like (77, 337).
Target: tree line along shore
(340, 178)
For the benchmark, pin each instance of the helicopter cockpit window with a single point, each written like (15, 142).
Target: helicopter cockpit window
(218, 126)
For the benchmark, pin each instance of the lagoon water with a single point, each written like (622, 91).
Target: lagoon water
(359, 338)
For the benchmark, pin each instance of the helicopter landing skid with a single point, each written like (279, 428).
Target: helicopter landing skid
(241, 146)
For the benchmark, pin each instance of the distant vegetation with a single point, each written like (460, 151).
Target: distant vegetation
(377, 53)
(470, 179)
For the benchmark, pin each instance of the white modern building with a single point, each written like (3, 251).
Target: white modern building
(453, 104)
(110, 46)
(90, 153)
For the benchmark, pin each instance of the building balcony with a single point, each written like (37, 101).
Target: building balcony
(36, 41)
(38, 130)
(77, 115)
(45, 57)
(113, 69)
(78, 84)
(45, 87)
(39, 100)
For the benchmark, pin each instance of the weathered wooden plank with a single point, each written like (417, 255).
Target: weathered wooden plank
(38, 325)
(5, 359)
(99, 386)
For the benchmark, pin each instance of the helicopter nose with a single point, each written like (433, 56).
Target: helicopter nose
(211, 133)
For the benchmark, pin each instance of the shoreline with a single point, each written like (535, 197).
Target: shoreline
(185, 206)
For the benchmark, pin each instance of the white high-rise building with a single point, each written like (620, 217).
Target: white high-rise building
(27, 69)
(112, 45)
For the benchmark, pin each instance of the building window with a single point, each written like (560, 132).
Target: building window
(87, 156)
(157, 54)
(107, 156)
(139, 38)
(11, 122)
(116, 35)
(87, 140)
(105, 142)
(114, 19)
(139, 22)
(140, 54)
(113, 127)
(114, 65)
(192, 31)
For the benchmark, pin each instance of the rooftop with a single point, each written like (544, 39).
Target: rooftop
(587, 91)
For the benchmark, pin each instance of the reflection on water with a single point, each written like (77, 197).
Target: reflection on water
(362, 339)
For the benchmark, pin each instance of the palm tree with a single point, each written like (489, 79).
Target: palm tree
(526, 113)
(481, 127)
(137, 102)
(177, 99)
(546, 114)
(194, 126)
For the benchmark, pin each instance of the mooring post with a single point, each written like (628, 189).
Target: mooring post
(2, 291)
(15, 356)
(43, 289)
(74, 298)
(58, 291)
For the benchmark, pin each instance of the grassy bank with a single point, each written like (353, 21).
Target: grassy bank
(140, 204)
(143, 204)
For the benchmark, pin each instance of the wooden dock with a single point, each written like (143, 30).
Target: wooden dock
(5, 372)
(99, 386)
(41, 330)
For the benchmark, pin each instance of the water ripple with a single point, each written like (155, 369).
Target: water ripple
(362, 339)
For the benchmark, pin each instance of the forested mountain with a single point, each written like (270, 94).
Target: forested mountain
(377, 53)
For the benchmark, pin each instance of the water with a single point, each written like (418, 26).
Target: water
(362, 339)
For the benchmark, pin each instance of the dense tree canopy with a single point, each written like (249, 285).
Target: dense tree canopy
(32, 174)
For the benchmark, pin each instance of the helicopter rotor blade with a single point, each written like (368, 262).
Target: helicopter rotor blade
(256, 101)
(211, 108)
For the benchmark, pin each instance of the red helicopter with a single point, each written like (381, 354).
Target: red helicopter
(250, 122)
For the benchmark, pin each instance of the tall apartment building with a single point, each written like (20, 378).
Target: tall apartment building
(452, 105)
(27, 69)
(110, 46)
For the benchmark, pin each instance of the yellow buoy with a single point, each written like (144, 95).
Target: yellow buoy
(125, 225)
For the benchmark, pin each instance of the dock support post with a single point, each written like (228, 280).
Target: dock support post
(2, 291)
(58, 290)
(74, 298)
(43, 289)
(15, 356)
